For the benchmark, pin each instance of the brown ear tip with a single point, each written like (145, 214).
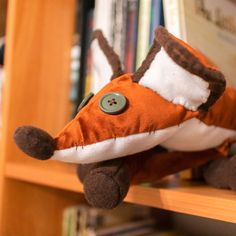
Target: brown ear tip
(161, 32)
(160, 29)
(187, 57)
(34, 142)
(97, 34)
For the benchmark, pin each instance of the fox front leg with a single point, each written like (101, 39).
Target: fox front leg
(107, 183)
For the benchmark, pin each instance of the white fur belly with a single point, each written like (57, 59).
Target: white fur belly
(194, 135)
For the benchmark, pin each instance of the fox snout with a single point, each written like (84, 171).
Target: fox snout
(34, 142)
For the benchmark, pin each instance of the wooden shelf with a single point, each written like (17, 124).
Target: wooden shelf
(184, 197)
(36, 93)
(65, 179)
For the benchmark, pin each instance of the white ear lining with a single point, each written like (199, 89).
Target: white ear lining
(102, 70)
(174, 83)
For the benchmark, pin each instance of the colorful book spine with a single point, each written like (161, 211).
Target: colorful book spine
(143, 30)
(157, 18)
(131, 35)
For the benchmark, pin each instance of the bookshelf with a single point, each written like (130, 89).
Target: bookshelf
(183, 196)
(33, 193)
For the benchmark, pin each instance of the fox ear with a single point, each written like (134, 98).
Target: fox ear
(106, 63)
(180, 73)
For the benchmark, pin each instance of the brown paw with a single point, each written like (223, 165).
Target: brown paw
(221, 173)
(107, 186)
(34, 142)
(84, 169)
(232, 173)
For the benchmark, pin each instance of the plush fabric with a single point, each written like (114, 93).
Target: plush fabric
(221, 173)
(177, 100)
(204, 137)
(222, 113)
(106, 63)
(97, 72)
(157, 122)
(146, 112)
(172, 82)
(189, 59)
(106, 183)
(35, 142)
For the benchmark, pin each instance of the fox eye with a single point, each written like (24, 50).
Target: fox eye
(113, 103)
(85, 101)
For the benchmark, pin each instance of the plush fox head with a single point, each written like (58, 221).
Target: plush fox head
(133, 112)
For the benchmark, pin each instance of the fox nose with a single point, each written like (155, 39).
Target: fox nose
(34, 142)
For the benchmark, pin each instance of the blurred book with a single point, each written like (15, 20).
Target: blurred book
(74, 73)
(209, 26)
(79, 53)
(88, 69)
(131, 35)
(157, 18)
(119, 28)
(103, 20)
(129, 28)
(144, 19)
(125, 220)
(2, 49)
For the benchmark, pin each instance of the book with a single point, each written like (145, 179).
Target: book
(2, 49)
(103, 20)
(125, 220)
(174, 17)
(88, 76)
(127, 25)
(131, 35)
(83, 29)
(209, 26)
(119, 28)
(143, 30)
(157, 18)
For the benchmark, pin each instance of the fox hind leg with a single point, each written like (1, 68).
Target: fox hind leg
(221, 173)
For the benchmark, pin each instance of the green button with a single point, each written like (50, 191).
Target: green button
(112, 103)
(85, 101)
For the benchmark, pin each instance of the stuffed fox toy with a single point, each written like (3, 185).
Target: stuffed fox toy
(173, 113)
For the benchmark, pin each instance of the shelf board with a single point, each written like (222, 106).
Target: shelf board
(179, 196)
(62, 179)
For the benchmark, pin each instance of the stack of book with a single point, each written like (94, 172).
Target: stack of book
(126, 220)
(207, 25)
(129, 27)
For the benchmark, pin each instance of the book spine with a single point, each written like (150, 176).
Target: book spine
(143, 30)
(88, 77)
(174, 17)
(104, 18)
(155, 18)
(131, 35)
(119, 28)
